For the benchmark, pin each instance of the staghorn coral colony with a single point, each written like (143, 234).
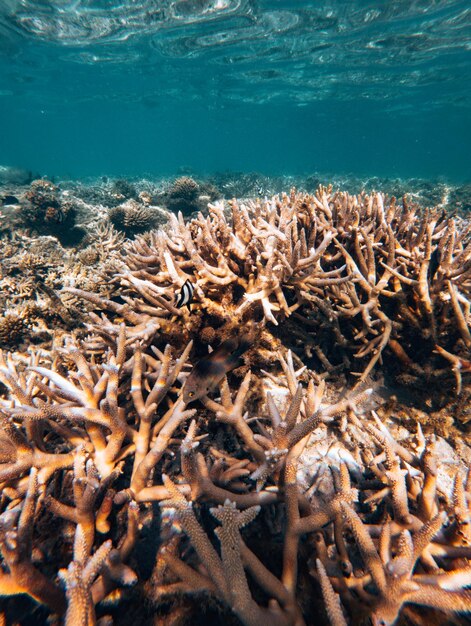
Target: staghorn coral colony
(322, 477)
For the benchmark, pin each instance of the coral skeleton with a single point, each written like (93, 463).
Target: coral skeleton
(292, 492)
(370, 279)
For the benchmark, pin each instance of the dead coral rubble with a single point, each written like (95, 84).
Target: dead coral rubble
(33, 270)
(278, 497)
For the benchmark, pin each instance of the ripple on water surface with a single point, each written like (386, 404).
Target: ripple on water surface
(254, 50)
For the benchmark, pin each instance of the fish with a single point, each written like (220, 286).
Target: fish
(434, 264)
(185, 296)
(211, 369)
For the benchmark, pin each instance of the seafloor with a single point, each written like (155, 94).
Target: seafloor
(318, 470)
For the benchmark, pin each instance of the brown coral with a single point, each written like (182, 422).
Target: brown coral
(320, 500)
(349, 276)
(12, 330)
(44, 211)
(183, 195)
(132, 217)
(44, 205)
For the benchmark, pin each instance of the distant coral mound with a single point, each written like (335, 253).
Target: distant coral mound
(134, 217)
(122, 189)
(188, 196)
(15, 176)
(46, 212)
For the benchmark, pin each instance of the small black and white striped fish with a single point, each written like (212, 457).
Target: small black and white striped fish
(185, 296)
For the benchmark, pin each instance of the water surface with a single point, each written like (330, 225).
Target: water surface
(92, 87)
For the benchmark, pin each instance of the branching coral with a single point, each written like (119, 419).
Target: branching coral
(350, 276)
(16, 544)
(96, 430)
(12, 328)
(121, 412)
(34, 269)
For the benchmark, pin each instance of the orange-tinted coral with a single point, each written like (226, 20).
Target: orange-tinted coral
(285, 495)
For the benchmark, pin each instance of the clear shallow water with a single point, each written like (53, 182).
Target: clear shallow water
(91, 87)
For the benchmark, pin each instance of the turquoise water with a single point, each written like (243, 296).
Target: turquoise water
(94, 87)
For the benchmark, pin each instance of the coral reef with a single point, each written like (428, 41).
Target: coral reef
(33, 270)
(427, 193)
(122, 189)
(354, 279)
(84, 450)
(12, 328)
(188, 196)
(297, 490)
(253, 185)
(15, 176)
(44, 211)
(132, 217)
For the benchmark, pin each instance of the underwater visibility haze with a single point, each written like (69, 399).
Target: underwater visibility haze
(102, 87)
